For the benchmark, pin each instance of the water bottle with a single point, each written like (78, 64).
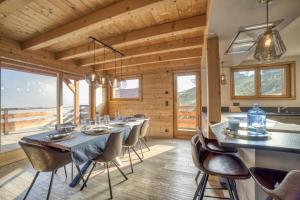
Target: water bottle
(256, 120)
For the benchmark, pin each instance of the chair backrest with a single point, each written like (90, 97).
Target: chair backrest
(140, 116)
(133, 136)
(45, 159)
(144, 128)
(289, 188)
(198, 153)
(113, 147)
(202, 139)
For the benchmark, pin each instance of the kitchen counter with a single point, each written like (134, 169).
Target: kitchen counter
(279, 140)
(280, 151)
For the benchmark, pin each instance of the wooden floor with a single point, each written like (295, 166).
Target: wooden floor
(166, 173)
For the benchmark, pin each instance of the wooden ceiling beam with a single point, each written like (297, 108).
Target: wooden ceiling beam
(185, 64)
(177, 45)
(172, 56)
(88, 22)
(169, 29)
(8, 7)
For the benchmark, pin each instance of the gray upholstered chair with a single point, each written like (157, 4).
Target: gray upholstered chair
(131, 142)
(112, 150)
(45, 159)
(142, 136)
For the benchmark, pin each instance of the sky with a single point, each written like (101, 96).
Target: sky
(185, 82)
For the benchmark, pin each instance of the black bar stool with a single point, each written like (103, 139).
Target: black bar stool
(278, 184)
(227, 166)
(212, 146)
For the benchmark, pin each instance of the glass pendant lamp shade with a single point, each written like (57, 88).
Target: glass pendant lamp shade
(269, 46)
(223, 79)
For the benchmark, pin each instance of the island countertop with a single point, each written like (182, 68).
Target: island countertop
(285, 141)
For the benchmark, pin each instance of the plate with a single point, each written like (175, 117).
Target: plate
(56, 137)
(99, 131)
(244, 134)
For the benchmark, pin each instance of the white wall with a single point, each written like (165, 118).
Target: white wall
(225, 89)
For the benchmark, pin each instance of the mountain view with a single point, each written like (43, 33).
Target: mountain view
(187, 97)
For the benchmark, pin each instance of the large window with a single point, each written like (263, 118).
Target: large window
(271, 81)
(28, 105)
(130, 89)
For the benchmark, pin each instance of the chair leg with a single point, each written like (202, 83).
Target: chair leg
(87, 178)
(229, 189)
(81, 176)
(141, 148)
(65, 171)
(203, 186)
(137, 154)
(233, 187)
(120, 170)
(50, 186)
(32, 183)
(72, 172)
(109, 183)
(130, 159)
(144, 142)
(197, 176)
(200, 185)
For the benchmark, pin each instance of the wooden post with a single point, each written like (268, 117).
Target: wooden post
(213, 82)
(59, 96)
(5, 124)
(76, 103)
(92, 107)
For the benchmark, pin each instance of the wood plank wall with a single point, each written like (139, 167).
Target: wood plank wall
(157, 89)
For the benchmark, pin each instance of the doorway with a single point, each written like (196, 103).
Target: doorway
(186, 104)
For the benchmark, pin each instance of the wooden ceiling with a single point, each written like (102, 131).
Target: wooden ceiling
(147, 31)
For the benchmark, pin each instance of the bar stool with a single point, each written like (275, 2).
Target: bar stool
(212, 146)
(278, 184)
(227, 166)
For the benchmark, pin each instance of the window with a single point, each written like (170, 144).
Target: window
(130, 89)
(263, 81)
(28, 105)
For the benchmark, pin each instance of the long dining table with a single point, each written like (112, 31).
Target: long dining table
(82, 147)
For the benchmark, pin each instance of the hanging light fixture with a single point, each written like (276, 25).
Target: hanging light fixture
(222, 76)
(114, 81)
(123, 83)
(92, 78)
(103, 78)
(269, 45)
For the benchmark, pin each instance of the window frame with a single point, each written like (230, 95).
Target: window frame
(139, 98)
(289, 72)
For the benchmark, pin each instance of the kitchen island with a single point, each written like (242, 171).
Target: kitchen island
(281, 150)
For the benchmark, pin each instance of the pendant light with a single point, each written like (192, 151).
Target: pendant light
(103, 79)
(222, 76)
(269, 45)
(114, 82)
(92, 78)
(123, 83)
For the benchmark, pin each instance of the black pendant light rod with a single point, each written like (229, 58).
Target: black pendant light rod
(106, 45)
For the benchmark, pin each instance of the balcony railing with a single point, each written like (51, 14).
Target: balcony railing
(186, 117)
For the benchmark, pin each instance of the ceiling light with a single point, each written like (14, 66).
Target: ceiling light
(269, 45)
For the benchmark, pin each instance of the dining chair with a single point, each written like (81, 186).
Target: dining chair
(131, 142)
(278, 184)
(142, 136)
(111, 151)
(226, 166)
(45, 159)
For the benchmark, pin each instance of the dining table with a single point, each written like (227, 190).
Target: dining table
(84, 147)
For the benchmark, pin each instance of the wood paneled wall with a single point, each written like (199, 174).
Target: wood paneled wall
(156, 103)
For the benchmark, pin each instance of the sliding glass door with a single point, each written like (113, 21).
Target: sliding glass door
(28, 104)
